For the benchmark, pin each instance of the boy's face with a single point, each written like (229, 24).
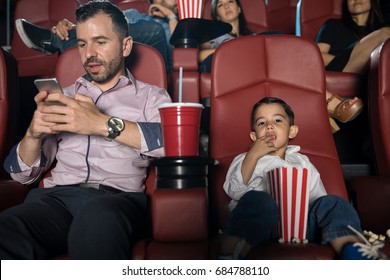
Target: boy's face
(272, 121)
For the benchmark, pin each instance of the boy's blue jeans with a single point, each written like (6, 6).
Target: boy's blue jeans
(256, 215)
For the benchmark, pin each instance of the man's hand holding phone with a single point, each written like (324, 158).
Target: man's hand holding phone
(49, 85)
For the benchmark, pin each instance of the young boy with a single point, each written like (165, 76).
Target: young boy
(254, 212)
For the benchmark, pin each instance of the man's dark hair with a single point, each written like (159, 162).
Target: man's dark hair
(272, 100)
(92, 8)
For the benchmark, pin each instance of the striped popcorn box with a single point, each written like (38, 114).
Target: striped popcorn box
(190, 8)
(289, 187)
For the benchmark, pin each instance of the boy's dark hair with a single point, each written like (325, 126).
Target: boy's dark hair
(272, 100)
(92, 8)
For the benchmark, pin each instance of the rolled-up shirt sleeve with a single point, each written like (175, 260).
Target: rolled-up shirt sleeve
(150, 129)
(152, 134)
(23, 173)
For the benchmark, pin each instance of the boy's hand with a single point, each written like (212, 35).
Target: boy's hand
(263, 146)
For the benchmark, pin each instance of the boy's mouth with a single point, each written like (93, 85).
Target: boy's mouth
(271, 136)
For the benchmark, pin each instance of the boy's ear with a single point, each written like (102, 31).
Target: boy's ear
(253, 136)
(293, 131)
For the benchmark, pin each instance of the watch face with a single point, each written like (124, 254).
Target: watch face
(116, 124)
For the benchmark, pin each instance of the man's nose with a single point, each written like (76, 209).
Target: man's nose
(90, 51)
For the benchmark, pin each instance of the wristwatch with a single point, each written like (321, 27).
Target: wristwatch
(115, 127)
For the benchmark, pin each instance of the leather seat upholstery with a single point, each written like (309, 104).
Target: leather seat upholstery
(283, 66)
(371, 194)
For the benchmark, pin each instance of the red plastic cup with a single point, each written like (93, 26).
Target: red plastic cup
(180, 124)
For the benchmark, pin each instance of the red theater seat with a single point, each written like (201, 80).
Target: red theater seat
(141, 5)
(282, 15)
(283, 66)
(45, 13)
(312, 14)
(371, 194)
(179, 216)
(141, 55)
(11, 192)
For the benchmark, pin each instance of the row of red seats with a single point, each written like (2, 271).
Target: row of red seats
(276, 15)
(268, 68)
(260, 16)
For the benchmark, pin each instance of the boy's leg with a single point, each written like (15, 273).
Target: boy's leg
(254, 218)
(106, 226)
(329, 217)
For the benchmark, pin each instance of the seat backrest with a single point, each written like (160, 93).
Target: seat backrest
(9, 105)
(44, 13)
(312, 14)
(282, 15)
(284, 66)
(379, 106)
(144, 62)
(255, 12)
(140, 5)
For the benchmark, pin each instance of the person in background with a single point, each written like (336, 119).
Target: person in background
(153, 29)
(385, 8)
(346, 45)
(254, 213)
(228, 11)
(93, 205)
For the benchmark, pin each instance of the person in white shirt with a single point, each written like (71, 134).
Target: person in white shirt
(254, 213)
(93, 205)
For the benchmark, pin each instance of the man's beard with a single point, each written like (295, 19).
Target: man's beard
(111, 69)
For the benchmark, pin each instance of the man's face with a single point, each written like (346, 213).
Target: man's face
(100, 49)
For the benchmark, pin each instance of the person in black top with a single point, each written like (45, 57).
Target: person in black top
(346, 45)
(385, 8)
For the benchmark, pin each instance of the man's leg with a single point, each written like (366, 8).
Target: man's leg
(36, 229)
(106, 226)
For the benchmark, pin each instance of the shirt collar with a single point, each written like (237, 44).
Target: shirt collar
(124, 80)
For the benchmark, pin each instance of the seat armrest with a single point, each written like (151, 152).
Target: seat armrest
(179, 214)
(346, 84)
(371, 196)
(186, 58)
(12, 193)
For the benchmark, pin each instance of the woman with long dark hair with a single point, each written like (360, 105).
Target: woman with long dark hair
(346, 45)
(228, 11)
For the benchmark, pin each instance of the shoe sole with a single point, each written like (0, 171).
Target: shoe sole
(26, 40)
(354, 116)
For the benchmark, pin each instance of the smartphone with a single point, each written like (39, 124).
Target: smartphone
(50, 85)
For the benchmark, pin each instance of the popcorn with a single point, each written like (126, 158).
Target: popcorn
(289, 187)
(190, 8)
(373, 237)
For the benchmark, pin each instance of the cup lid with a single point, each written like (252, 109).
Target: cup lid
(180, 104)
